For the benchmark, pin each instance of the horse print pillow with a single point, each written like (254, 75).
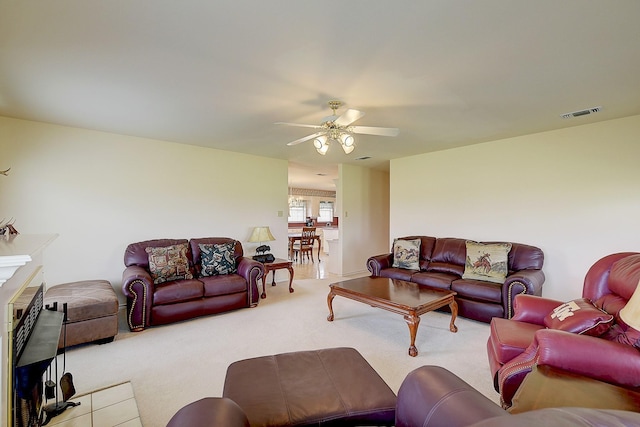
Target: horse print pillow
(487, 261)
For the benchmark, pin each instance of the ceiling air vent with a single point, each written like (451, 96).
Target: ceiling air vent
(363, 158)
(581, 113)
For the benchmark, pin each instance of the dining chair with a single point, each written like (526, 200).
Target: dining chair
(305, 245)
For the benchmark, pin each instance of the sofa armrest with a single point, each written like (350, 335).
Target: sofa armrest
(527, 282)
(377, 263)
(532, 309)
(434, 396)
(585, 355)
(210, 411)
(589, 356)
(137, 286)
(252, 271)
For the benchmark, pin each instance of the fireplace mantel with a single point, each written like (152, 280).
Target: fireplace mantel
(19, 249)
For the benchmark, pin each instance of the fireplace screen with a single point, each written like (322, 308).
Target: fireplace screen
(35, 345)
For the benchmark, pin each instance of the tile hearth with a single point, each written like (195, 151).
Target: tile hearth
(110, 407)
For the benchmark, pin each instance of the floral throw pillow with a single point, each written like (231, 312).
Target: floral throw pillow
(406, 254)
(487, 261)
(169, 263)
(217, 259)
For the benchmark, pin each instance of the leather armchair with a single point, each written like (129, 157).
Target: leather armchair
(516, 345)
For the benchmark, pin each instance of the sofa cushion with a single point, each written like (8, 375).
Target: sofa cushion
(509, 338)
(397, 273)
(169, 263)
(217, 259)
(434, 279)
(177, 291)
(487, 261)
(406, 254)
(448, 256)
(223, 284)
(579, 316)
(479, 290)
(136, 253)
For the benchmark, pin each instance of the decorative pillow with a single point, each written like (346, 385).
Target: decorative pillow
(217, 259)
(406, 254)
(579, 316)
(487, 261)
(169, 263)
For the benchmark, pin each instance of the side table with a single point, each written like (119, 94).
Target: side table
(277, 264)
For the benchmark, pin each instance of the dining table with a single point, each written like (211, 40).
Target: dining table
(293, 237)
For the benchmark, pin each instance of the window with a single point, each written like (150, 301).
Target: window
(298, 212)
(325, 212)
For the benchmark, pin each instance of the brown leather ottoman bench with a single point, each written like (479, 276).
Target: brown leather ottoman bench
(92, 311)
(329, 387)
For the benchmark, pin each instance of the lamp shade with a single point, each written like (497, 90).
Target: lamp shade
(261, 234)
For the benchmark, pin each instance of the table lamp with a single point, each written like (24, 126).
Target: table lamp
(262, 234)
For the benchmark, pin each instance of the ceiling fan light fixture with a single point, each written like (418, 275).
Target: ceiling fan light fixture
(339, 129)
(320, 142)
(323, 149)
(347, 140)
(348, 149)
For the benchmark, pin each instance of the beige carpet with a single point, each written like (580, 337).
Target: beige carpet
(170, 366)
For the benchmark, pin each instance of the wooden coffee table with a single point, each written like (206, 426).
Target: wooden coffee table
(406, 298)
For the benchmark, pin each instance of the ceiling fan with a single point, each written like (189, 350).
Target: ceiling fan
(339, 129)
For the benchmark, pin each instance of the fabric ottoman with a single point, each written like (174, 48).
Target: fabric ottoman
(329, 387)
(92, 311)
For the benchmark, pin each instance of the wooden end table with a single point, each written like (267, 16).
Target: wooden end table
(277, 264)
(398, 296)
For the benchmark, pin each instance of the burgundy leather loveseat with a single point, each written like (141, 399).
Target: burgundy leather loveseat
(442, 264)
(196, 294)
(586, 342)
(430, 396)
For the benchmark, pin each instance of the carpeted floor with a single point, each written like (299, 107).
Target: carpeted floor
(170, 366)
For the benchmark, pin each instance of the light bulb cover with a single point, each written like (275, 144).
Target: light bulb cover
(349, 149)
(347, 140)
(320, 142)
(323, 150)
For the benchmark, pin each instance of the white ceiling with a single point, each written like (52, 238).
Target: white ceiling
(220, 73)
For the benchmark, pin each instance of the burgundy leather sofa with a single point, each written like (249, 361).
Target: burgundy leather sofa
(150, 304)
(430, 396)
(442, 264)
(515, 345)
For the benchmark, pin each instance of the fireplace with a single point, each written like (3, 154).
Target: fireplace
(35, 345)
(21, 274)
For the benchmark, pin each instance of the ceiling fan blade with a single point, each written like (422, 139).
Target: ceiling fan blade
(371, 130)
(348, 117)
(306, 138)
(297, 124)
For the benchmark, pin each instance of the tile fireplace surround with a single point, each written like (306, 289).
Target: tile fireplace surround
(20, 266)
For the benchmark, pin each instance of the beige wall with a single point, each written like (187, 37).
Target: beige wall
(102, 191)
(575, 193)
(363, 200)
